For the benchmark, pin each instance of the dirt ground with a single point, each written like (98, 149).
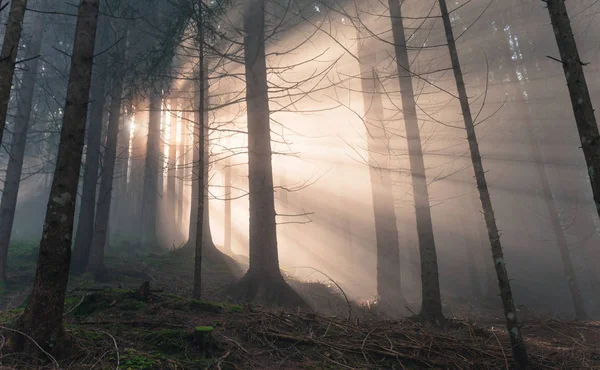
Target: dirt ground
(113, 326)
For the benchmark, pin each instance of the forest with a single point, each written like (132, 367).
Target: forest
(299, 184)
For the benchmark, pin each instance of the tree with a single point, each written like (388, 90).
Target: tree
(431, 305)
(263, 283)
(8, 56)
(108, 169)
(42, 318)
(171, 193)
(200, 166)
(512, 324)
(386, 231)
(578, 91)
(87, 208)
(12, 181)
(152, 170)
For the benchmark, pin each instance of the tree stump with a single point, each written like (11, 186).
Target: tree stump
(202, 337)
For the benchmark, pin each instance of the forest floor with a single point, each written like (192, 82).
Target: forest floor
(115, 325)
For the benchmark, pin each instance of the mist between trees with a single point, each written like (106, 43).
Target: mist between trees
(422, 156)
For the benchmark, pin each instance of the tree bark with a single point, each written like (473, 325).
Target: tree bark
(172, 195)
(389, 281)
(431, 305)
(204, 146)
(578, 91)
(181, 163)
(557, 228)
(42, 318)
(87, 210)
(264, 258)
(151, 172)
(263, 283)
(12, 181)
(122, 211)
(108, 170)
(200, 166)
(8, 56)
(135, 188)
(227, 212)
(518, 345)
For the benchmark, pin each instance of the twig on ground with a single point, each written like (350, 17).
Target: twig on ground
(54, 362)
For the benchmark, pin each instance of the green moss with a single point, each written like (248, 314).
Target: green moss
(121, 299)
(204, 328)
(133, 360)
(235, 308)
(169, 340)
(8, 316)
(206, 306)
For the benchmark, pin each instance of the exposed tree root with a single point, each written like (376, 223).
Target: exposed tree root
(211, 255)
(266, 290)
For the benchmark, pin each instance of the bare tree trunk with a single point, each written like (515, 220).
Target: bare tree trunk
(135, 189)
(491, 291)
(389, 287)
(204, 145)
(199, 165)
(518, 346)
(87, 210)
(171, 193)
(578, 90)
(431, 305)
(227, 213)
(12, 181)
(557, 228)
(99, 240)
(152, 170)
(122, 211)
(181, 163)
(8, 56)
(263, 282)
(42, 318)
(469, 243)
(196, 147)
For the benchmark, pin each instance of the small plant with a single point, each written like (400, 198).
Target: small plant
(132, 360)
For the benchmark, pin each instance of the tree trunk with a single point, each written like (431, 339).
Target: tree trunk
(491, 290)
(122, 211)
(196, 147)
(389, 287)
(181, 163)
(171, 194)
(227, 212)
(151, 172)
(469, 242)
(518, 346)
(263, 283)
(108, 169)
(135, 188)
(431, 305)
(42, 318)
(85, 225)
(578, 91)
(204, 145)
(8, 56)
(200, 167)
(557, 228)
(12, 181)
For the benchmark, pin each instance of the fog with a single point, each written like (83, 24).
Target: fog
(321, 170)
